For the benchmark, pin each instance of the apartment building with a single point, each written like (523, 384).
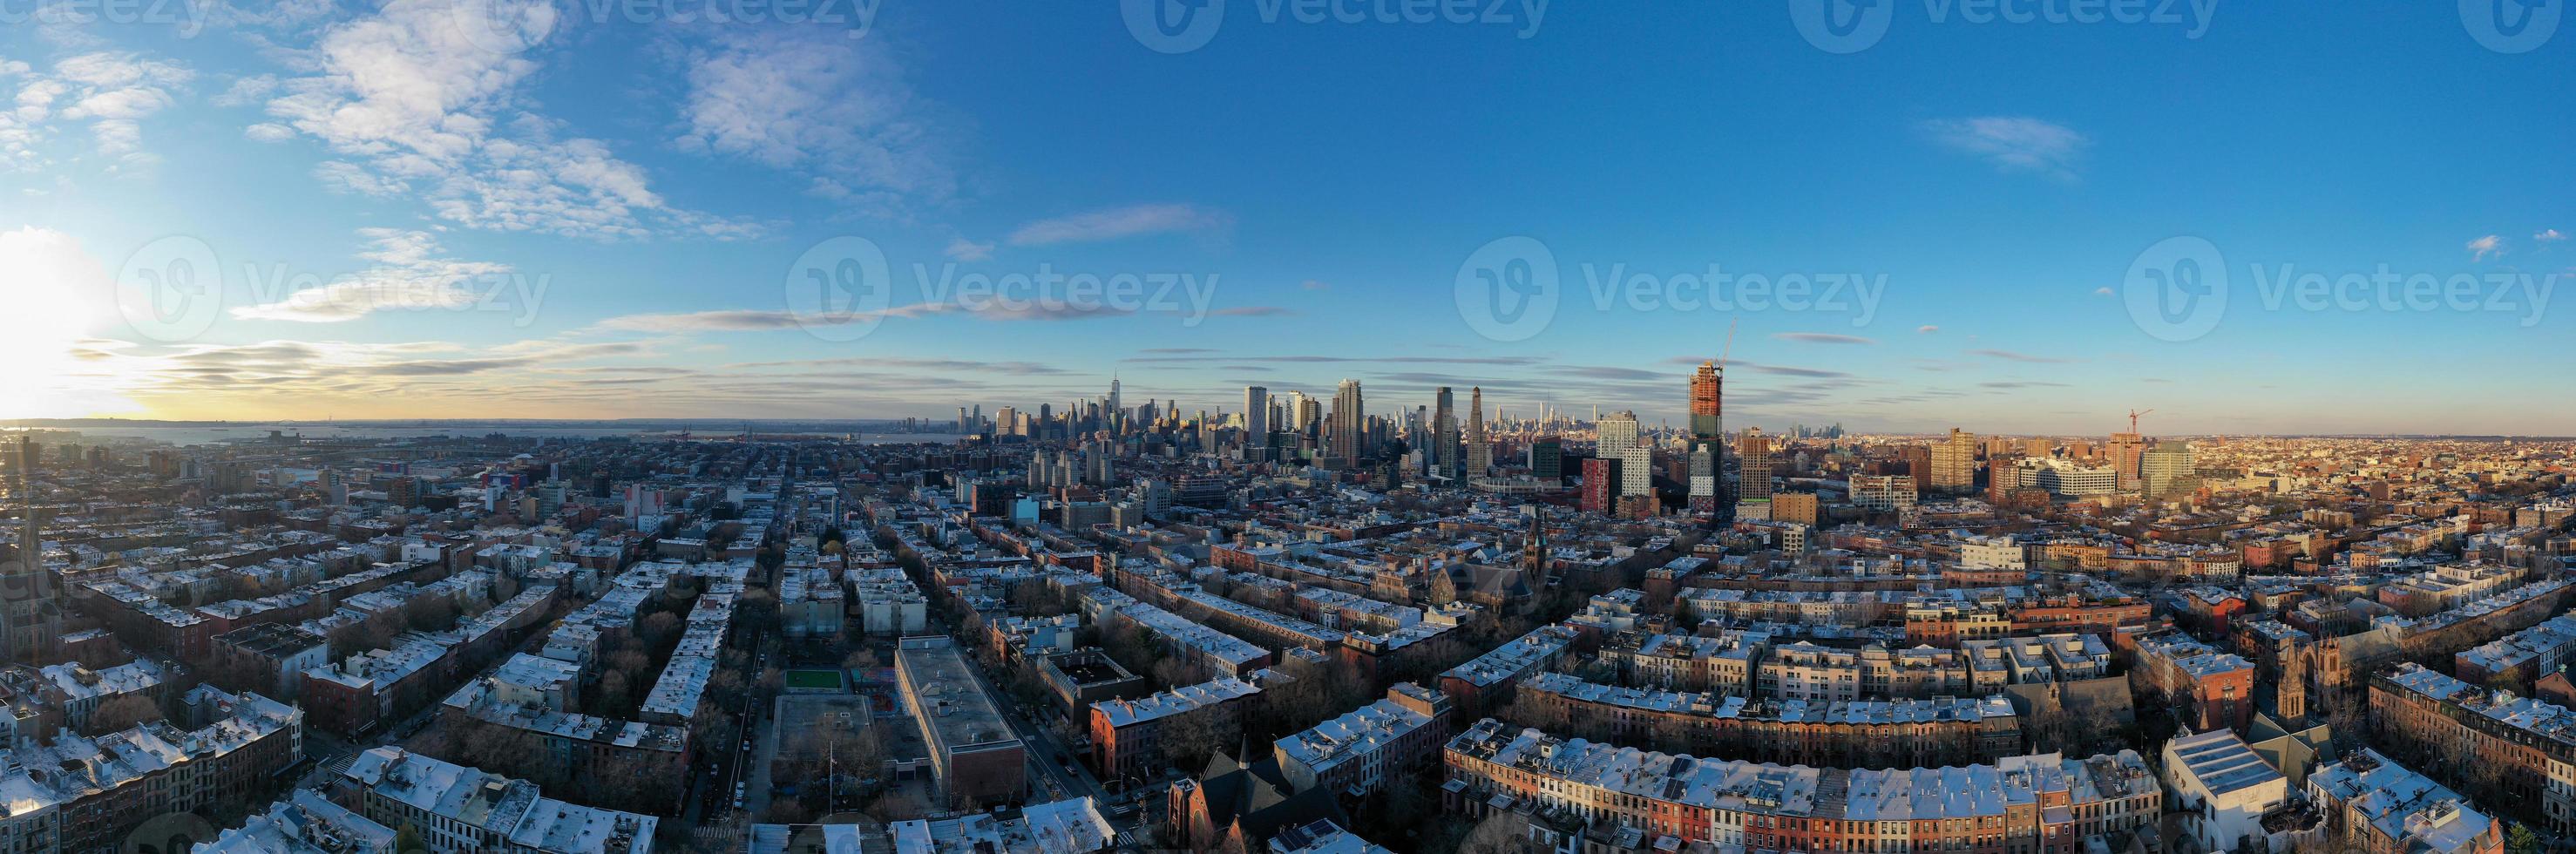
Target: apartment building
(2520, 749)
(2214, 689)
(462, 810)
(2377, 806)
(1354, 752)
(1127, 735)
(1920, 733)
(2044, 804)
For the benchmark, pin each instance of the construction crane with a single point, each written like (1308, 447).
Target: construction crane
(1730, 345)
(2133, 419)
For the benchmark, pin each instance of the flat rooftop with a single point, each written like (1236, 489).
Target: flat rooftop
(952, 704)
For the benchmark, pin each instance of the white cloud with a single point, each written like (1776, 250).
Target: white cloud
(2014, 143)
(1927, 329)
(408, 275)
(761, 320)
(246, 91)
(2485, 247)
(963, 249)
(340, 176)
(424, 94)
(1315, 285)
(1115, 223)
(113, 91)
(812, 99)
(2102, 292)
(1823, 338)
(2548, 235)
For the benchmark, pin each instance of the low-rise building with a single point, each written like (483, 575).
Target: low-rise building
(2381, 807)
(462, 810)
(1351, 754)
(977, 757)
(2222, 788)
(1128, 737)
(2040, 803)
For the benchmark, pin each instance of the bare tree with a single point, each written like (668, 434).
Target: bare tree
(1500, 833)
(428, 613)
(122, 712)
(660, 631)
(1187, 739)
(613, 695)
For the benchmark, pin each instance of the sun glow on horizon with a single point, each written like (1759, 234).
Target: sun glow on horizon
(53, 294)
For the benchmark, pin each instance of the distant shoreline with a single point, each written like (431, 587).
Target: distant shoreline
(888, 425)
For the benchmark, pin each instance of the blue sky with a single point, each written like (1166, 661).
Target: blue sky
(385, 187)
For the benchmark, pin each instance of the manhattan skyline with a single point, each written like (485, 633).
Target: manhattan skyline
(528, 228)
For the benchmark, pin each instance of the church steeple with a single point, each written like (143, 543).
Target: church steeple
(1534, 547)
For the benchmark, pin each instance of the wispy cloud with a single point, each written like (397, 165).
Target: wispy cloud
(963, 249)
(2547, 236)
(1116, 223)
(2486, 247)
(1788, 371)
(810, 99)
(762, 320)
(2014, 143)
(2010, 356)
(1823, 338)
(408, 275)
(1926, 329)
